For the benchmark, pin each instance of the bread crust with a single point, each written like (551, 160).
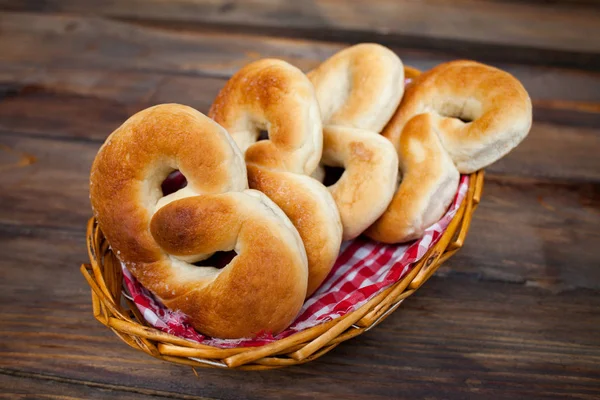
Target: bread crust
(494, 102)
(368, 183)
(459, 117)
(359, 86)
(155, 237)
(358, 89)
(429, 183)
(275, 96)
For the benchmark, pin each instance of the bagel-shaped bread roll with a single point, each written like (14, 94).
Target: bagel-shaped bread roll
(358, 89)
(156, 238)
(477, 114)
(482, 112)
(367, 185)
(429, 183)
(275, 96)
(359, 86)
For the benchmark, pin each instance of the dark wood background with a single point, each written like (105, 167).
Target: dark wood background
(516, 314)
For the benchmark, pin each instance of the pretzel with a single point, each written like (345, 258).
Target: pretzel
(358, 90)
(275, 96)
(157, 238)
(459, 117)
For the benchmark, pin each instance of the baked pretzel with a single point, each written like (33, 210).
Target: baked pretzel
(157, 238)
(459, 117)
(275, 96)
(358, 90)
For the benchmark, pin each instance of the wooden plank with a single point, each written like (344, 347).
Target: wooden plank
(90, 104)
(35, 40)
(454, 338)
(34, 45)
(534, 232)
(554, 152)
(19, 385)
(506, 29)
(526, 230)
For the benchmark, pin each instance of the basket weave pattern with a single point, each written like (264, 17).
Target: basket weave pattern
(120, 314)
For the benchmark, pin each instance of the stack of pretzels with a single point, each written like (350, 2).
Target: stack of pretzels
(402, 147)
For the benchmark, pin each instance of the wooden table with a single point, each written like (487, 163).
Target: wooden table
(514, 315)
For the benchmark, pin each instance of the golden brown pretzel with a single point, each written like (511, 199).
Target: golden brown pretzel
(156, 237)
(275, 96)
(463, 111)
(358, 90)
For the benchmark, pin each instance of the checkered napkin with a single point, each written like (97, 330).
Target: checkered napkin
(363, 269)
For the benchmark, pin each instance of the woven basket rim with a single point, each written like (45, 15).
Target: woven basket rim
(116, 311)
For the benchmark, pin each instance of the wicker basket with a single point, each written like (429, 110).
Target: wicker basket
(120, 314)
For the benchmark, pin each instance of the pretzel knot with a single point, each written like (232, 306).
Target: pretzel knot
(358, 90)
(275, 96)
(158, 237)
(459, 117)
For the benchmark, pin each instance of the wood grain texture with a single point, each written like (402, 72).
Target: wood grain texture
(540, 227)
(455, 338)
(30, 41)
(534, 232)
(24, 386)
(87, 104)
(513, 30)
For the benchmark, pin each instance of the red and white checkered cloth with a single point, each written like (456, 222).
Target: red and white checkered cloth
(363, 269)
